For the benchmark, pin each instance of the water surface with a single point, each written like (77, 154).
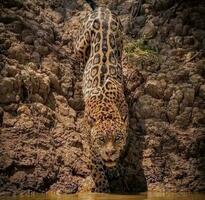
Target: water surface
(141, 196)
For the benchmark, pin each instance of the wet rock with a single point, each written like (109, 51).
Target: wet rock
(149, 107)
(140, 20)
(15, 27)
(179, 29)
(35, 57)
(29, 39)
(8, 93)
(2, 27)
(149, 31)
(188, 96)
(168, 92)
(18, 52)
(185, 30)
(198, 117)
(156, 21)
(6, 161)
(9, 71)
(196, 80)
(155, 88)
(202, 91)
(42, 50)
(172, 110)
(183, 119)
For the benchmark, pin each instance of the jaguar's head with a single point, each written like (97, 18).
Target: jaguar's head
(108, 139)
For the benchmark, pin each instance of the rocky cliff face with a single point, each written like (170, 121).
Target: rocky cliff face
(41, 105)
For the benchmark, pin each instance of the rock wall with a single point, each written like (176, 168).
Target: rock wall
(41, 105)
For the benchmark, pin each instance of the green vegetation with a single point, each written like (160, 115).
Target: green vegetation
(139, 54)
(138, 47)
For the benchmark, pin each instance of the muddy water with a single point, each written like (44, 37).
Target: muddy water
(142, 196)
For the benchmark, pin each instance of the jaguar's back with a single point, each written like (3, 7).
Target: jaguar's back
(101, 47)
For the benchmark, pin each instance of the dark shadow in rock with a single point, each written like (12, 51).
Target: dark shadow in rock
(200, 152)
(129, 177)
(12, 3)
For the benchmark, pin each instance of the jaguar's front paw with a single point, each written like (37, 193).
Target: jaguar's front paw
(87, 185)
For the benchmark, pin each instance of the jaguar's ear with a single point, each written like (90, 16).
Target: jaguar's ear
(125, 118)
(91, 120)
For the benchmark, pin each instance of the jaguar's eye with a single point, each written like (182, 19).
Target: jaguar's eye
(118, 137)
(101, 139)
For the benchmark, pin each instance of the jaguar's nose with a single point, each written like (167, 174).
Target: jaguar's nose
(110, 152)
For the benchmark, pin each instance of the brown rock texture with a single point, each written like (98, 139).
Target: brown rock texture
(41, 104)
